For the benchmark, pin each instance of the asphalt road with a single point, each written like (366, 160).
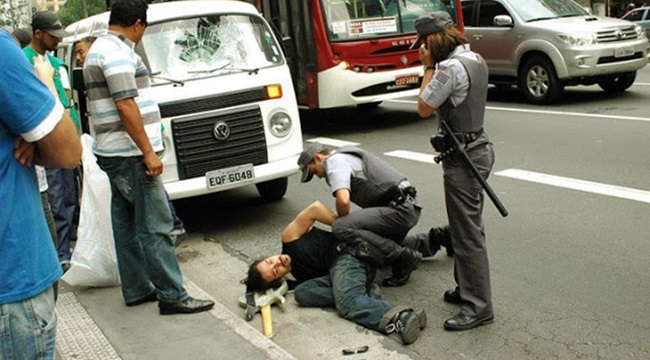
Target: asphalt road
(569, 265)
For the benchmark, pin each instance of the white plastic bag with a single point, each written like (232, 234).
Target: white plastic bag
(93, 260)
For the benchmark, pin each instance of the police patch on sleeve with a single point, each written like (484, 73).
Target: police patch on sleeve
(442, 77)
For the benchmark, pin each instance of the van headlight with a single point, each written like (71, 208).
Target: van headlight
(585, 39)
(280, 124)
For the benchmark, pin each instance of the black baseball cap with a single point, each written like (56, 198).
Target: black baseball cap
(48, 22)
(431, 23)
(307, 156)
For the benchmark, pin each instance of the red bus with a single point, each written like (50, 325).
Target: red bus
(352, 52)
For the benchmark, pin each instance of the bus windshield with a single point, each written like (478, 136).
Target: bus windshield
(367, 19)
(208, 46)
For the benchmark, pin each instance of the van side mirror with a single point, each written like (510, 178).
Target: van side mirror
(289, 47)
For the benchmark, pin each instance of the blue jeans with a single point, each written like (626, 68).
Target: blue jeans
(63, 195)
(178, 223)
(28, 328)
(345, 288)
(146, 256)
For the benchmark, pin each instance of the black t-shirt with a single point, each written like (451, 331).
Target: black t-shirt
(311, 255)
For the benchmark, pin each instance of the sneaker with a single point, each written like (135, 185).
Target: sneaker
(407, 325)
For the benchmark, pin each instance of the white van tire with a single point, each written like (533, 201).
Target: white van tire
(274, 189)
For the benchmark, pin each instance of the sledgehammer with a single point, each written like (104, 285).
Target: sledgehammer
(262, 301)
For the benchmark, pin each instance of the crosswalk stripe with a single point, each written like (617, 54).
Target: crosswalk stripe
(411, 155)
(553, 180)
(577, 184)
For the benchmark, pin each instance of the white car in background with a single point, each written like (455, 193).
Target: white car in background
(640, 16)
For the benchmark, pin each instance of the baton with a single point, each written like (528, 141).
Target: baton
(477, 175)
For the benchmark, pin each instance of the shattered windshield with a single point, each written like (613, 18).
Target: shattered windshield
(206, 46)
(367, 19)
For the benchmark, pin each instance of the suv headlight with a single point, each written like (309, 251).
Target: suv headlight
(280, 124)
(586, 39)
(639, 31)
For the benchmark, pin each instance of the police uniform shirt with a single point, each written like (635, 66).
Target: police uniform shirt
(450, 80)
(340, 168)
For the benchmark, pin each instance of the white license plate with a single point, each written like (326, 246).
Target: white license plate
(407, 80)
(623, 52)
(234, 175)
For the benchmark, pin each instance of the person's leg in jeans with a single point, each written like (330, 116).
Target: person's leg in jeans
(28, 328)
(56, 196)
(52, 227)
(153, 225)
(178, 233)
(315, 293)
(137, 258)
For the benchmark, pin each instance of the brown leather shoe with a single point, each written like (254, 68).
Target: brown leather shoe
(187, 306)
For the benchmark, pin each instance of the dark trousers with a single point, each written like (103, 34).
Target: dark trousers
(384, 226)
(464, 199)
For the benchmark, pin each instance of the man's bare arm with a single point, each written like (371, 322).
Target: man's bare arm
(61, 147)
(316, 211)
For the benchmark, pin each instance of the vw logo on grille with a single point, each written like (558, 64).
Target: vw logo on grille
(221, 131)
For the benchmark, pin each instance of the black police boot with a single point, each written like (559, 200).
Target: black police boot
(407, 261)
(407, 325)
(440, 236)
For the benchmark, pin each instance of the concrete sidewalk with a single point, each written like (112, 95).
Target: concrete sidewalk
(94, 323)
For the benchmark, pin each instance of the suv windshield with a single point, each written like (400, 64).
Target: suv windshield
(368, 19)
(533, 10)
(207, 46)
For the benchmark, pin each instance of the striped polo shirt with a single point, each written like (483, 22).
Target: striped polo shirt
(113, 71)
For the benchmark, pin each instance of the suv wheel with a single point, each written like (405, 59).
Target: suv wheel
(539, 81)
(618, 83)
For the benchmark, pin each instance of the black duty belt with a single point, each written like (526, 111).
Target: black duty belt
(396, 194)
(468, 137)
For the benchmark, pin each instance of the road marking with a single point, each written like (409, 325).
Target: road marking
(553, 180)
(576, 184)
(548, 112)
(411, 155)
(333, 142)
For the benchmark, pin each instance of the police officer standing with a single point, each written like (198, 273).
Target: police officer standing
(389, 208)
(455, 88)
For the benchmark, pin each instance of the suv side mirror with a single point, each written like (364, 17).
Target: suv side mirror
(503, 20)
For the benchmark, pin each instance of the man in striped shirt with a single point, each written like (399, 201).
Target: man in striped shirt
(125, 121)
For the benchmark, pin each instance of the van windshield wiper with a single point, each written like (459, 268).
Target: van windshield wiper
(208, 71)
(157, 76)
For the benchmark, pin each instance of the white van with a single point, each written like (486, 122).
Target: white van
(225, 94)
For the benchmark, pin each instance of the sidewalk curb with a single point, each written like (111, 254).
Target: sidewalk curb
(240, 326)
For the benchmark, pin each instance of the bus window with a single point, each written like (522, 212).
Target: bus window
(363, 19)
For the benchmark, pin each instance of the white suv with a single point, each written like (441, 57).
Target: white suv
(544, 45)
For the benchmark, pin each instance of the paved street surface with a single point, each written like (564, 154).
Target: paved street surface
(569, 265)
